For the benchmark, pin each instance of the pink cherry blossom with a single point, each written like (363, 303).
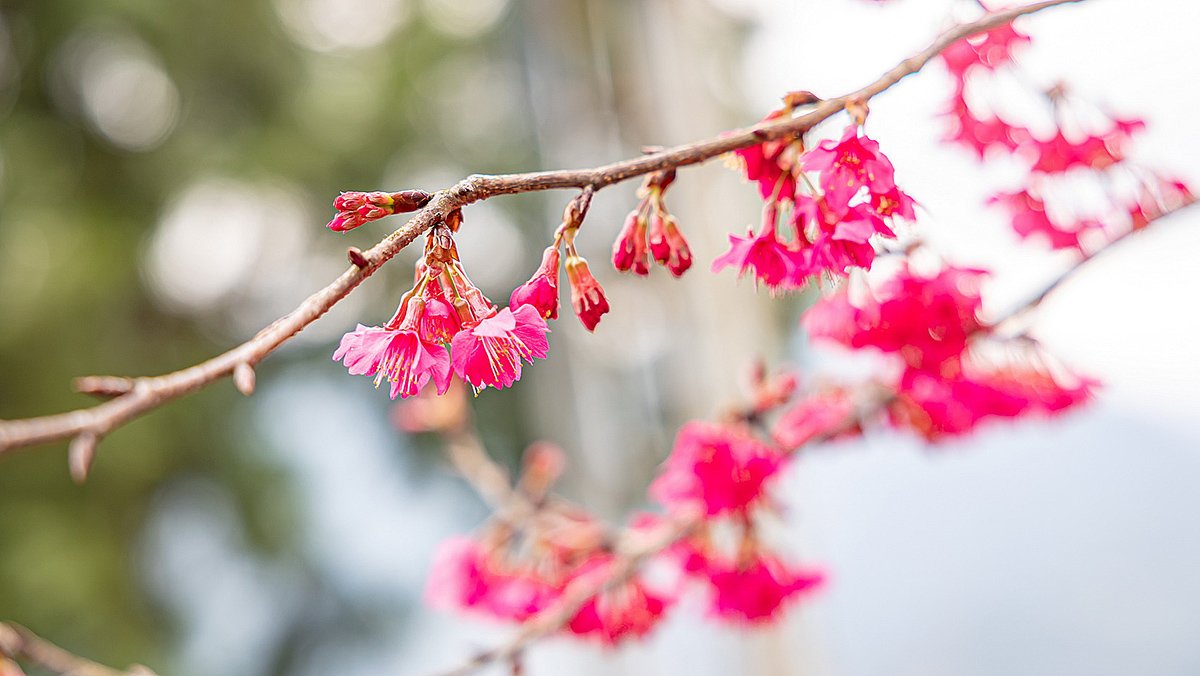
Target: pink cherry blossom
(982, 135)
(927, 320)
(894, 203)
(989, 50)
(816, 417)
(397, 355)
(849, 165)
(770, 164)
(489, 354)
(756, 591)
(1030, 219)
(541, 291)
(771, 261)
(628, 610)
(465, 575)
(717, 469)
(937, 406)
(1058, 153)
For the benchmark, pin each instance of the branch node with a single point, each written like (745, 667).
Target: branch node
(244, 378)
(80, 455)
(357, 258)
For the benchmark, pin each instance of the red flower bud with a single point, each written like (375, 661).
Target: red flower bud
(586, 294)
(629, 251)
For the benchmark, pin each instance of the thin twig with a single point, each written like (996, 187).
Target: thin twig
(148, 393)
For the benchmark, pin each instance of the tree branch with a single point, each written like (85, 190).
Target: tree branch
(87, 426)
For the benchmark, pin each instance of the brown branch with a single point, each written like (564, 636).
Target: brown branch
(18, 643)
(144, 394)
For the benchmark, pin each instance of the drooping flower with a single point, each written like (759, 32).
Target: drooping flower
(836, 236)
(989, 50)
(630, 253)
(627, 610)
(489, 353)
(756, 590)
(937, 406)
(772, 164)
(667, 244)
(398, 355)
(771, 261)
(849, 165)
(894, 203)
(541, 291)
(927, 320)
(440, 321)
(982, 135)
(717, 469)
(1058, 153)
(1030, 219)
(587, 296)
(817, 417)
(466, 575)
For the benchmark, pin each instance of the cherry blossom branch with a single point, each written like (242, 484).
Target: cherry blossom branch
(630, 557)
(18, 643)
(669, 532)
(134, 397)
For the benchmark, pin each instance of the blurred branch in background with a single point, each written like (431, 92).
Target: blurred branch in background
(137, 396)
(19, 644)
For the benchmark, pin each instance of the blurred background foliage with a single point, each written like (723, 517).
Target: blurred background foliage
(164, 172)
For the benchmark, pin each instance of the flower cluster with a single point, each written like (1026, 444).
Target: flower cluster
(1087, 143)
(828, 226)
(443, 324)
(651, 232)
(721, 472)
(541, 291)
(714, 490)
(942, 385)
(512, 572)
